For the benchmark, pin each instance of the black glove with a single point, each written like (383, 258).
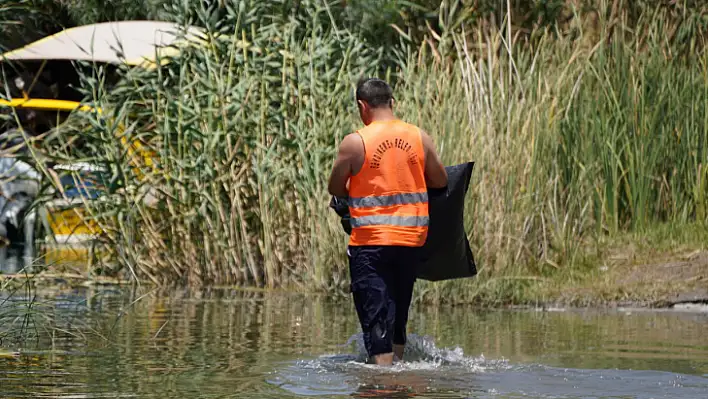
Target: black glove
(341, 207)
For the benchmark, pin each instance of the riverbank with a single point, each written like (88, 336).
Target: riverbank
(666, 281)
(655, 268)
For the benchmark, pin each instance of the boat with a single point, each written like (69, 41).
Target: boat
(66, 230)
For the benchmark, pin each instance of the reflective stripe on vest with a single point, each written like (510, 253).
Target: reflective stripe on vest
(385, 220)
(388, 200)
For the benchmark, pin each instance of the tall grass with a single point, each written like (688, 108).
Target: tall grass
(245, 129)
(574, 136)
(573, 140)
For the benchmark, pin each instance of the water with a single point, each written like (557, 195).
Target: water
(236, 344)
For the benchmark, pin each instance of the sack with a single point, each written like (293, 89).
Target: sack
(446, 254)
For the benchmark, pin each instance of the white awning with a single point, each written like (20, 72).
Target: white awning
(125, 42)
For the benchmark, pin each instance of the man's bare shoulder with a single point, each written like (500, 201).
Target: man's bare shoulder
(426, 139)
(351, 143)
(350, 138)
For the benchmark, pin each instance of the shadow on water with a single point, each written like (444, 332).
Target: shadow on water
(247, 344)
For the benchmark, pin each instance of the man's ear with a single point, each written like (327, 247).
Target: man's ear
(361, 104)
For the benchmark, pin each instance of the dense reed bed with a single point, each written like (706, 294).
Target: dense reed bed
(578, 134)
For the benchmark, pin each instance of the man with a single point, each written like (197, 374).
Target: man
(384, 170)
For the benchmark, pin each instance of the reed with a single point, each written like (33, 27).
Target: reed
(244, 129)
(593, 131)
(574, 141)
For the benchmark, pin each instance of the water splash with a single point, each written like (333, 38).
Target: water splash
(424, 365)
(421, 352)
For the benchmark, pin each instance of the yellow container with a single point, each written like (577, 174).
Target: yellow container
(71, 222)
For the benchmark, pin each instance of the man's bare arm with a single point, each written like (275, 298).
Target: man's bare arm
(435, 173)
(343, 166)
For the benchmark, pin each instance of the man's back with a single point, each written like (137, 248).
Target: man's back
(388, 196)
(393, 158)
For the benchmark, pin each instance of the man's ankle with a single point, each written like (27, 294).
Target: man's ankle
(398, 351)
(383, 359)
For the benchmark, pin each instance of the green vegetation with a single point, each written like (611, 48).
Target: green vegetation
(587, 122)
(28, 317)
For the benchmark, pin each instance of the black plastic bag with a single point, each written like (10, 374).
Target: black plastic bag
(446, 253)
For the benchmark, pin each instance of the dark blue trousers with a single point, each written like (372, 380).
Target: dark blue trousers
(382, 280)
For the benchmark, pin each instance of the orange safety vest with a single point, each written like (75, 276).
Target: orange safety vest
(388, 197)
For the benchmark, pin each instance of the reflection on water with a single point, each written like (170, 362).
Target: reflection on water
(240, 344)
